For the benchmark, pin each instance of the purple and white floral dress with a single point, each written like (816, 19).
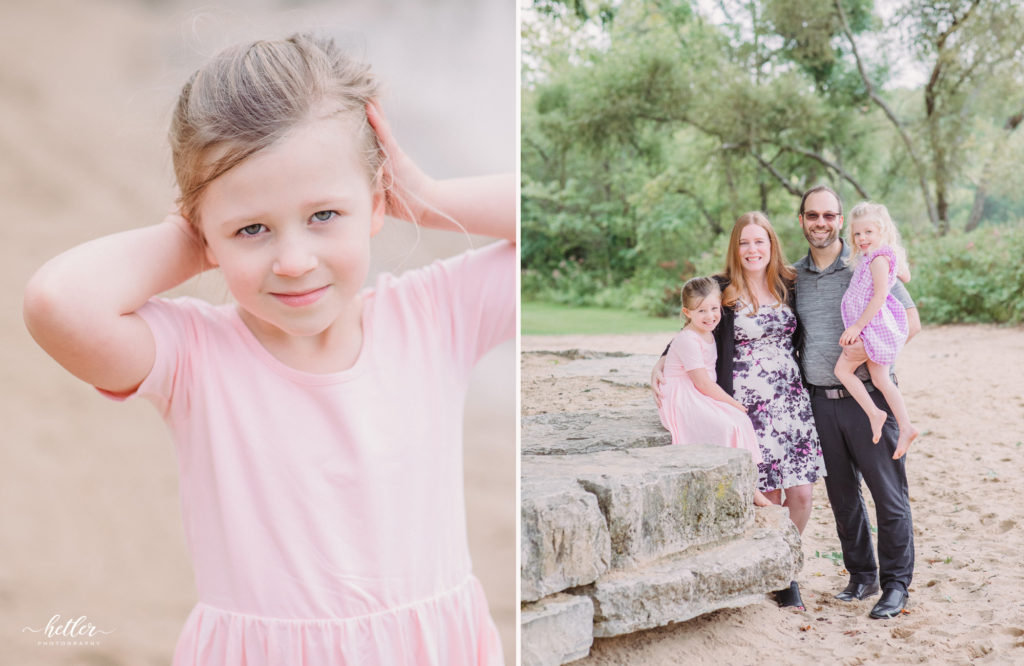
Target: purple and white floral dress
(886, 333)
(766, 380)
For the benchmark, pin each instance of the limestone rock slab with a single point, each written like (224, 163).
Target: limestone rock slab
(663, 500)
(629, 370)
(589, 432)
(564, 540)
(557, 630)
(680, 587)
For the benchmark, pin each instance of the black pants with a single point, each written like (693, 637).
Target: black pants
(849, 455)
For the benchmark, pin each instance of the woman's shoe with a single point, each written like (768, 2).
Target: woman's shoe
(790, 596)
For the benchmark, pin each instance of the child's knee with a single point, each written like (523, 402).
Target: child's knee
(879, 374)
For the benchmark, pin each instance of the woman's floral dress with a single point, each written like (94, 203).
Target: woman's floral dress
(766, 380)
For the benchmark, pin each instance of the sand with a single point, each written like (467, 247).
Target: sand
(88, 495)
(964, 391)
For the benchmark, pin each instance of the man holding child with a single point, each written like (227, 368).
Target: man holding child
(822, 277)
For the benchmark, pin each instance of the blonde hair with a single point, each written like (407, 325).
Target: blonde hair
(250, 95)
(887, 231)
(693, 293)
(779, 274)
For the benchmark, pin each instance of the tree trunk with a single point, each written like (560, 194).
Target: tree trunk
(980, 196)
(981, 192)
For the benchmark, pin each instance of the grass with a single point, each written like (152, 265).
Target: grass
(551, 319)
(835, 557)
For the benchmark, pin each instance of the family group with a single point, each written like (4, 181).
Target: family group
(794, 364)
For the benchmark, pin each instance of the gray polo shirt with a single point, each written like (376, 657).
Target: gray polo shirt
(819, 294)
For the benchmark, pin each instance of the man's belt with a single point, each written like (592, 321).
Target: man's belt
(834, 392)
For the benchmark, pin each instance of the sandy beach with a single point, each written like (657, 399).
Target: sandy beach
(965, 476)
(89, 492)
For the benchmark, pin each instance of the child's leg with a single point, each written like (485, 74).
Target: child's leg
(773, 497)
(883, 382)
(845, 372)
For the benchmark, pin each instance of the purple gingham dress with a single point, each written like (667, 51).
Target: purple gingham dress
(886, 333)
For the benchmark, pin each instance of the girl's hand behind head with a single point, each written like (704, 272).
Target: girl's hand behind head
(178, 221)
(407, 189)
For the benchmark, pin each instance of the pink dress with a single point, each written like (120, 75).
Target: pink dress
(691, 416)
(324, 513)
(886, 333)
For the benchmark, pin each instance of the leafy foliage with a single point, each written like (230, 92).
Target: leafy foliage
(969, 277)
(650, 125)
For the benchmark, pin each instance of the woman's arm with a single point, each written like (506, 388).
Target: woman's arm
(80, 306)
(483, 205)
(702, 380)
(880, 279)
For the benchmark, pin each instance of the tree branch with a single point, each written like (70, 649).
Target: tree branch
(716, 227)
(536, 146)
(767, 166)
(901, 130)
(840, 171)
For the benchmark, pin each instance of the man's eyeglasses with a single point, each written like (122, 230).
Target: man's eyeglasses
(813, 217)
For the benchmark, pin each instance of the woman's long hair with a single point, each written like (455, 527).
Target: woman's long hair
(779, 273)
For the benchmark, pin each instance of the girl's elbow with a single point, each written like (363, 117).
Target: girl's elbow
(40, 302)
(52, 307)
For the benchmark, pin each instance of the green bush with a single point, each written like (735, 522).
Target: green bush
(968, 278)
(958, 278)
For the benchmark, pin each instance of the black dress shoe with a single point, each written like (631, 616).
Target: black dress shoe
(858, 591)
(893, 601)
(790, 596)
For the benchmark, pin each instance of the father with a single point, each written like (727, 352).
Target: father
(822, 278)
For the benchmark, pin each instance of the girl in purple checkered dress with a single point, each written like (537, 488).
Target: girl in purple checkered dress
(873, 315)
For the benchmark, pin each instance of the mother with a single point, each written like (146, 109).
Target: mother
(755, 342)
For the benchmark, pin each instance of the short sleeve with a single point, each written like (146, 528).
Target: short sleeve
(471, 299)
(688, 352)
(174, 323)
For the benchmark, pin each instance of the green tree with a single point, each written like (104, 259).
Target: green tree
(649, 125)
(974, 53)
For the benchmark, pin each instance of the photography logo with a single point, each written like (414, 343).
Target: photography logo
(77, 631)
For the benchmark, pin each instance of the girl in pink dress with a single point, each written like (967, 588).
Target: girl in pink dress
(318, 423)
(695, 409)
(873, 316)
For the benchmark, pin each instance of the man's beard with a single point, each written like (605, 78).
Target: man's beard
(821, 243)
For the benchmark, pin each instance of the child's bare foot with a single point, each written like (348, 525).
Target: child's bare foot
(760, 499)
(907, 435)
(877, 419)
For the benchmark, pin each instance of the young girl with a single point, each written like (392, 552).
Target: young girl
(872, 314)
(318, 424)
(694, 408)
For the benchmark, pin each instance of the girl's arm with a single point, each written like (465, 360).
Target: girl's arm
(483, 205)
(80, 306)
(658, 380)
(880, 279)
(702, 380)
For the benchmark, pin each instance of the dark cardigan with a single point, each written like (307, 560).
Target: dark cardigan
(725, 338)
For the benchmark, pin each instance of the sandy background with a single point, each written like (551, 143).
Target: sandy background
(964, 391)
(88, 488)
